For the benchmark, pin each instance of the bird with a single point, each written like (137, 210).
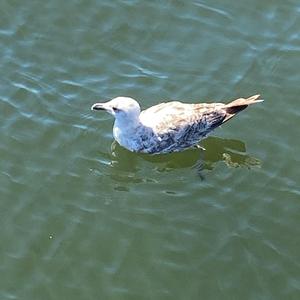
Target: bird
(169, 126)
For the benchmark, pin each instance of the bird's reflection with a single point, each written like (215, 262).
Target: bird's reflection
(231, 152)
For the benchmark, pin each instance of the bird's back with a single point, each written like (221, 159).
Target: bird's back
(175, 115)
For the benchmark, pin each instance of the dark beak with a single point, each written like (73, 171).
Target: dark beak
(98, 106)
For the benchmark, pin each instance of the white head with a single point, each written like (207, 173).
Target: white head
(121, 108)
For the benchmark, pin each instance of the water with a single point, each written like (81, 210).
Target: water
(82, 218)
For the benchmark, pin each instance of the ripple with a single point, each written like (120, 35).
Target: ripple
(214, 10)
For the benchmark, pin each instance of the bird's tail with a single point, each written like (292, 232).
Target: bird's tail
(238, 105)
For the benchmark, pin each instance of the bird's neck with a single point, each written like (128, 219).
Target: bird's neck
(125, 130)
(127, 123)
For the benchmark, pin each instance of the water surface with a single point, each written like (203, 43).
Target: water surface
(83, 218)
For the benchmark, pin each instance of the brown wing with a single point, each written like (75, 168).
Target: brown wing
(175, 126)
(181, 125)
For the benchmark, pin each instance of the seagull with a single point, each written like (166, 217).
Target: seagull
(170, 126)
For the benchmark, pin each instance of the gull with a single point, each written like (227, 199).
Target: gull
(170, 126)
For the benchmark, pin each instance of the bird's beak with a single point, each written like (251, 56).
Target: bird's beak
(98, 106)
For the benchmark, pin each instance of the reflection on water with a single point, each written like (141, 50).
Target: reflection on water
(229, 151)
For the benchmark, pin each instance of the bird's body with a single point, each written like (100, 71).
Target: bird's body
(167, 127)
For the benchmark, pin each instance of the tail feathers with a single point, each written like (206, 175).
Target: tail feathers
(238, 105)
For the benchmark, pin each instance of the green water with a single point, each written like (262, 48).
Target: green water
(82, 218)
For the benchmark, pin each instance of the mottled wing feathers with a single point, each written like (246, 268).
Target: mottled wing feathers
(176, 115)
(180, 125)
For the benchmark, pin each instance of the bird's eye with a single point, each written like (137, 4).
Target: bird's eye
(116, 109)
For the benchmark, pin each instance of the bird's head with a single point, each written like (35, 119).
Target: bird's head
(120, 107)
